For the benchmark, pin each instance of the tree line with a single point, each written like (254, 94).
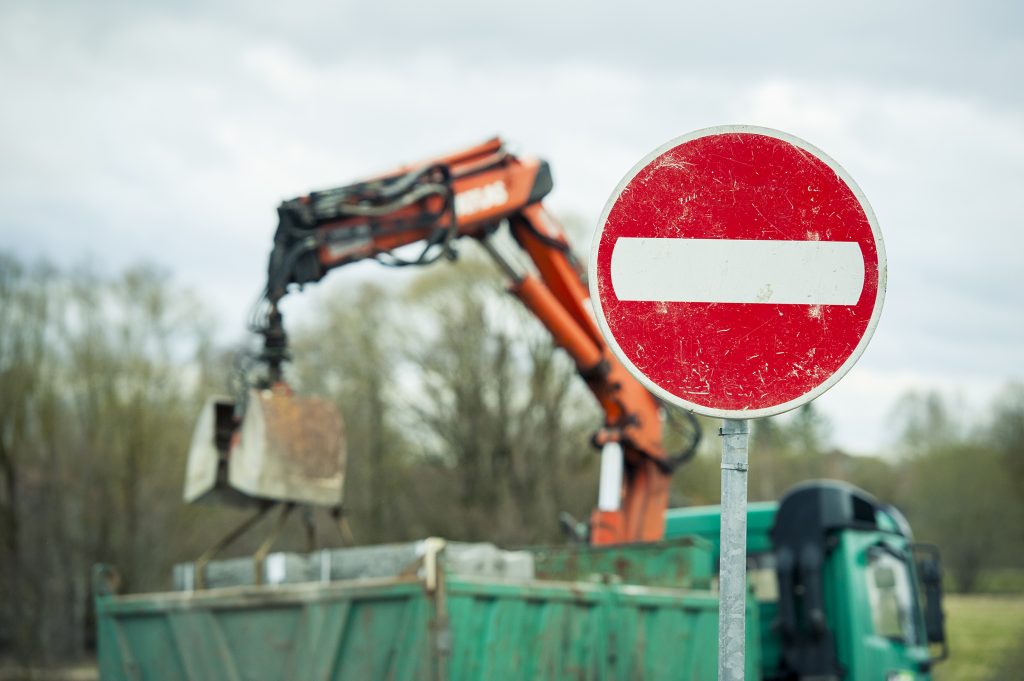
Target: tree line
(462, 421)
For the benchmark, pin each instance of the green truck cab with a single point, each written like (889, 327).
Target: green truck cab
(842, 590)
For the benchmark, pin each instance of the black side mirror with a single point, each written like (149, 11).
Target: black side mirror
(929, 572)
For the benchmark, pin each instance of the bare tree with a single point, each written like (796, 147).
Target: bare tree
(97, 397)
(348, 352)
(503, 408)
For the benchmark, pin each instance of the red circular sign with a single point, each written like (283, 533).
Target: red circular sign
(738, 272)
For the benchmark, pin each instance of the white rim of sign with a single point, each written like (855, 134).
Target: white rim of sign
(740, 413)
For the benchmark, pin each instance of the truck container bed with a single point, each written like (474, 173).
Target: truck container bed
(587, 614)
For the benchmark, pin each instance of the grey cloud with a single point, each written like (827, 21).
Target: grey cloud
(971, 47)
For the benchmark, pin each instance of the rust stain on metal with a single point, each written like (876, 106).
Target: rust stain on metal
(307, 431)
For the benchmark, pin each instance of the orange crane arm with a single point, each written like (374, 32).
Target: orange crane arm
(469, 194)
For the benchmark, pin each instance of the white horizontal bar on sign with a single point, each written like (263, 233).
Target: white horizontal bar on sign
(737, 271)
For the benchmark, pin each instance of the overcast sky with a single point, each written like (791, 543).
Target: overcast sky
(168, 133)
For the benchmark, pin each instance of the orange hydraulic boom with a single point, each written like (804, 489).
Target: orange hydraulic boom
(470, 194)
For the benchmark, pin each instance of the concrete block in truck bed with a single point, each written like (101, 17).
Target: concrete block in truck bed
(278, 568)
(392, 560)
(487, 560)
(361, 562)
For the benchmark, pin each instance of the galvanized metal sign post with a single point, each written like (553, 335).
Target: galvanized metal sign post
(732, 575)
(738, 272)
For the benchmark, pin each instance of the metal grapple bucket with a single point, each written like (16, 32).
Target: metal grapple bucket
(286, 447)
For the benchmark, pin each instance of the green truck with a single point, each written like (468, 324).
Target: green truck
(842, 590)
(838, 591)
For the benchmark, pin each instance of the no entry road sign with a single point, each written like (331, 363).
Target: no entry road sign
(738, 272)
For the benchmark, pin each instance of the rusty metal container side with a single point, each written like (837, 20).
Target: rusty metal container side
(310, 631)
(685, 563)
(551, 631)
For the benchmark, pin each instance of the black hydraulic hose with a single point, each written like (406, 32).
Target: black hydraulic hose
(690, 450)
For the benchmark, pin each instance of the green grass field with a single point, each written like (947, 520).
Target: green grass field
(986, 639)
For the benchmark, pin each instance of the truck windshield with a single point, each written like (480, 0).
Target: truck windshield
(891, 594)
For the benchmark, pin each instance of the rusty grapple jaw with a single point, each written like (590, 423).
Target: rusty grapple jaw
(285, 447)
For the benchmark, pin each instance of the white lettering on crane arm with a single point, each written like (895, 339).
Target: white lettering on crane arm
(737, 271)
(480, 199)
